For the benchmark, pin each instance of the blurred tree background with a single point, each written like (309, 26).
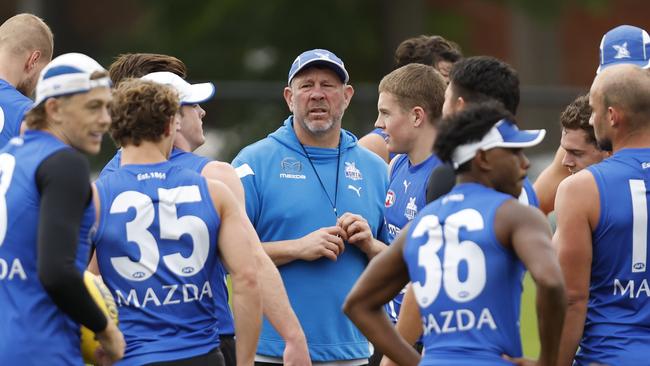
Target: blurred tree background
(247, 46)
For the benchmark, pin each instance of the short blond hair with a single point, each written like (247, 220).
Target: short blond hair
(26, 32)
(417, 85)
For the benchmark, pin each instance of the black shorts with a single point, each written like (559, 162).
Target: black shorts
(211, 358)
(227, 346)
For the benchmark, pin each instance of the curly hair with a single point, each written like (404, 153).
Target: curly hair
(141, 111)
(480, 78)
(427, 50)
(469, 125)
(137, 65)
(416, 85)
(576, 117)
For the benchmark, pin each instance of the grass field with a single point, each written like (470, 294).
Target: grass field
(529, 335)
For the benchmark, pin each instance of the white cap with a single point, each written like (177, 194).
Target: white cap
(69, 74)
(503, 134)
(188, 93)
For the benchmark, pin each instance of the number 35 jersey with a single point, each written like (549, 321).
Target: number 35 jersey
(157, 253)
(467, 285)
(617, 327)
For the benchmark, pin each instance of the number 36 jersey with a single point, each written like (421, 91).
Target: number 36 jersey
(157, 253)
(467, 285)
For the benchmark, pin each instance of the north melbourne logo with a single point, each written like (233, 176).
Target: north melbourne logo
(411, 209)
(351, 171)
(621, 51)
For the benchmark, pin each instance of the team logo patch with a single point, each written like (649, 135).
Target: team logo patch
(291, 169)
(411, 209)
(351, 171)
(390, 198)
(621, 51)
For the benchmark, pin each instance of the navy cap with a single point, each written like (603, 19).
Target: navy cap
(625, 44)
(319, 57)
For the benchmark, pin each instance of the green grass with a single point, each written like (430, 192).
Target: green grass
(529, 334)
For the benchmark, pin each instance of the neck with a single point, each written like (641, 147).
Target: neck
(469, 177)
(423, 146)
(147, 153)
(632, 140)
(9, 71)
(182, 143)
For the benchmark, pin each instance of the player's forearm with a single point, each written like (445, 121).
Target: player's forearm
(409, 324)
(380, 331)
(247, 309)
(281, 252)
(374, 248)
(276, 306)
(574, 323)
(551, 307)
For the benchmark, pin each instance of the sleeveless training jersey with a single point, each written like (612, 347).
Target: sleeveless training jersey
(196, 163)
(13, 106)
(33, 330)
(467, 285)
(617, 327)
(406, 194)
(528, 196)
(157, 253)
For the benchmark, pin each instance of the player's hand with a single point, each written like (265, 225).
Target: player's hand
(520, 361)
(296, 352)
(112, 345)
(325, 242)
(357, 231)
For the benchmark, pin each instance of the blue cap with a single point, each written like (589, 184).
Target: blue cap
(504, 134)
(625, 44)
(319, 57)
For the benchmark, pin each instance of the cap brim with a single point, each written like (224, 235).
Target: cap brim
(341, 72)
(520, 139)
(642, 64)
(199, 93)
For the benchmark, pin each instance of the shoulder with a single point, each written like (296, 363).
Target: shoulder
(576, 187)
(66, 159)
(513, 216)
(223, 172)
(256, 151)
(366, 155)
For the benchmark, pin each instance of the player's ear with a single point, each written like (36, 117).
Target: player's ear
(53, 109)
(482, 160)
(460, 103)
(32, 60)
(348, 92)
(288, 93)
(419, 116)
(614, 116)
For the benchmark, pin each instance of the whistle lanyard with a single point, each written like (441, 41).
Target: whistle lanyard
(336, 187)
